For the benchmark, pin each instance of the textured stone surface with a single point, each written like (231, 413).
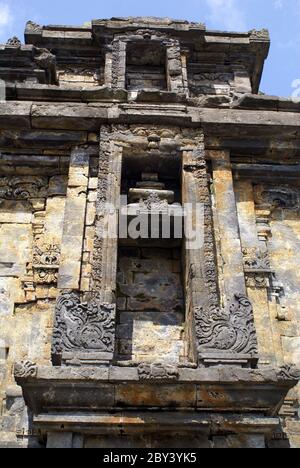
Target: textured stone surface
(149, 337)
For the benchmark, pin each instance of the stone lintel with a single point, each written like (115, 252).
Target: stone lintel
(55, 124)
(141, 422)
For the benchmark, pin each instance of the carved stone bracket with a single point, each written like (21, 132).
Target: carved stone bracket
(25, 370)
(289, 372)
(157, 372)
(230, 330)
(83, 327)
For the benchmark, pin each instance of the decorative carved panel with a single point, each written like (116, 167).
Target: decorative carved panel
(82, 327)
(230, 329)
(157, 372)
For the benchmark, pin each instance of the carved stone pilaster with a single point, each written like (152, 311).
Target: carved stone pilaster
(223, 335)
(83, 329)
(104, 266)
(175, 68)
(269, 199)
(118, 71)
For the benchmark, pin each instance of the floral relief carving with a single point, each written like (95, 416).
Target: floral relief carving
(230, 329)
(83, 326)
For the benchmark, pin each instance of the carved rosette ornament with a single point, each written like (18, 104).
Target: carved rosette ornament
(230, 329)
(157, 372)
(25, 370)
(83, 327)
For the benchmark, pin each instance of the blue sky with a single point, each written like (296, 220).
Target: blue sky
(281, 17)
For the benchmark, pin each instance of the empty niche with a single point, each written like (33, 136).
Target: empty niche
(146, 67)
(150, 299)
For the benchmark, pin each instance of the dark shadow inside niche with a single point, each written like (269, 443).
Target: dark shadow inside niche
(167, 166)
(150, 292)
(146, 67)
(83, 67)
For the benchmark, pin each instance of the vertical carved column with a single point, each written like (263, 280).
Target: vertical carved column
(223, 335)
(119, 64)
(84, 330)
(201, 276)
(104, 269)
(174, 68)
(108, 65)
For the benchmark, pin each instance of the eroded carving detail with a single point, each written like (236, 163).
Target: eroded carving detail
(289, 372)
(83, 326)
(256, 260)
(277, 197)
(14, 42)
(262, 34)
(25, 369)
(33, 27)
(230, 329)
(23, 188)
(153, 203)
(46, 59)
(157, 372)
(48, 255)
(46, 260)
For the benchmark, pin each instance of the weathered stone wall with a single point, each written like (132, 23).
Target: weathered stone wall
(31, 214)
(150, 305)
(269, 221)
(155, 325)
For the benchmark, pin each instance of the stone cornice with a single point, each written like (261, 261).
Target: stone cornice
(231, 389)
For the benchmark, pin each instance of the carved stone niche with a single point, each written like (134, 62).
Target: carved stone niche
(84, 332)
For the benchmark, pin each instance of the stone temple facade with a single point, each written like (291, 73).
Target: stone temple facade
(116, 341)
